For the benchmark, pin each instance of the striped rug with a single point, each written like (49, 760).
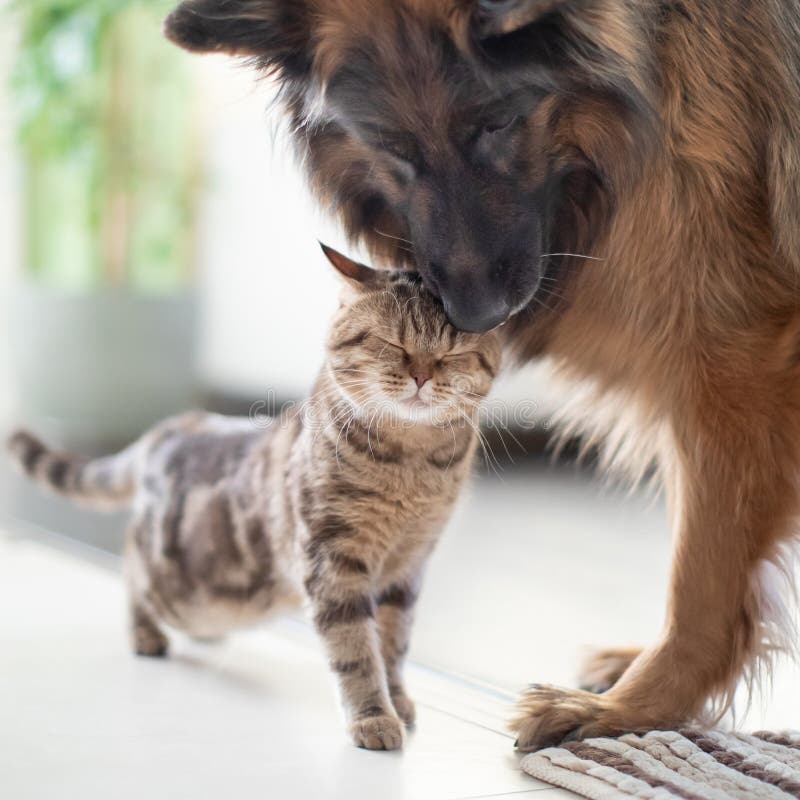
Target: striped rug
(692, 764)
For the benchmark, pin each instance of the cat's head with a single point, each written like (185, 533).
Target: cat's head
(391, 348)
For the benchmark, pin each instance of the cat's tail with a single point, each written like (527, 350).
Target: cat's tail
(104, 484)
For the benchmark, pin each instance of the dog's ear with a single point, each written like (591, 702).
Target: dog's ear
(276, 32)
(500, 17)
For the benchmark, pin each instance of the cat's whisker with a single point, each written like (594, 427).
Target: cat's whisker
(383, 350)
(340, 414)
(365, 378)
(516, 441)
(396, 302)
(464, 396)
(356, 383)
(408, 302)
(369, 439)
(356, 371)
(466, 393)
(345, 425)
(505, 446)
(347, 430)
(488, 455)
(455, 447)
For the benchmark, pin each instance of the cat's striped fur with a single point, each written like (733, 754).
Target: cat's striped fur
(338, 502)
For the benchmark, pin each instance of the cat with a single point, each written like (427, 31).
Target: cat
(338, 503)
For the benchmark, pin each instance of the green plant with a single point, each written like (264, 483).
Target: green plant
(106, 131)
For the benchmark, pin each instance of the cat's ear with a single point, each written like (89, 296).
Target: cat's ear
(358, 276)
(275, 32)
(499, 17)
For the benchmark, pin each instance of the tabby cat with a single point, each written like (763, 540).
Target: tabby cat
(339, 502)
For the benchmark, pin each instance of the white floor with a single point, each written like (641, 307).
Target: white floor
(254, 717)
(535, 567)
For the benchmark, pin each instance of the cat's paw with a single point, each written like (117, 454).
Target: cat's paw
(146, 637)
(404, 706)
(378, 733)
(150, 643)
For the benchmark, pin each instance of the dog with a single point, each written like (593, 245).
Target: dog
(618, 181)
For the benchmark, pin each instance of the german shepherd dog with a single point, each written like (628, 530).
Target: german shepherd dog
(493, 145)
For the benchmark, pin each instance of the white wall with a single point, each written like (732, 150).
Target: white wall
(9, 211)
(267, 292)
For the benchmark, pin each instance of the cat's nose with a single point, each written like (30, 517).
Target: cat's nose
(420, 375)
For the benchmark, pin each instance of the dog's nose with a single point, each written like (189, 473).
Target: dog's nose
(477, 317)
(474, 296)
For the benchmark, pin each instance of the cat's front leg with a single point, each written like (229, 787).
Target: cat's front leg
(340, 590)
(395, 617)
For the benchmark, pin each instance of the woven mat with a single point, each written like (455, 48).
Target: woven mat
(665, 764)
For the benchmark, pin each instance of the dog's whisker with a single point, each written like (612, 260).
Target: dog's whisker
(396, 238)
(572, 255)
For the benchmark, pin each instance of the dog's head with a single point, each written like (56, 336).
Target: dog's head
(472, 138)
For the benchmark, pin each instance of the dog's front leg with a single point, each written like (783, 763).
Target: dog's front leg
(734, 493)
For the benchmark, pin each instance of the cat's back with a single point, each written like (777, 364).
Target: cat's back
(200, 448)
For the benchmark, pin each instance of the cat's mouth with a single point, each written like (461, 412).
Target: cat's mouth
(423, 406)
(416, 402)
(422, 398)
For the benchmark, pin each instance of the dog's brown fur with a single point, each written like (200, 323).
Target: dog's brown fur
(687, 117)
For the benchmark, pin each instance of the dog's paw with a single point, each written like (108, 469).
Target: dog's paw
(378, 733)
(547, 716)
(602, 669)
(404, 706)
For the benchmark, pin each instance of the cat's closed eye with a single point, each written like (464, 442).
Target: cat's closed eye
(386, 343)
(460, 356)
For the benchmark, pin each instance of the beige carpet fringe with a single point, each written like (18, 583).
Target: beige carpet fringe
(691, 764)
